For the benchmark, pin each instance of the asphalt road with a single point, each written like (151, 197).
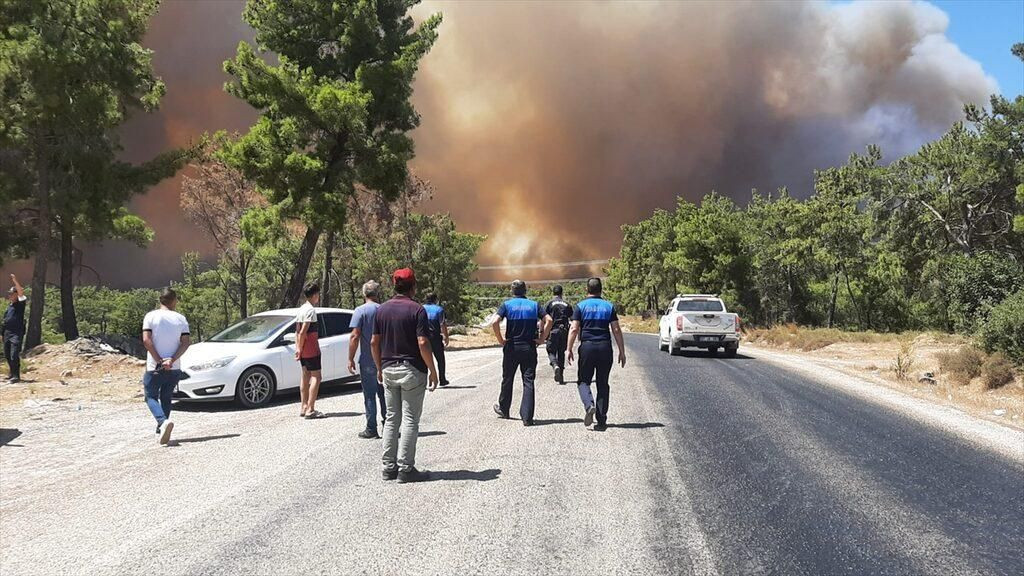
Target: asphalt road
(710, 466)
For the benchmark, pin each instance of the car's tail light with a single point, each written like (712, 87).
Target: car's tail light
(679, 322)
(738, 324)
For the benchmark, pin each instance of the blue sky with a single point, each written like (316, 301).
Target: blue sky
(985, 30)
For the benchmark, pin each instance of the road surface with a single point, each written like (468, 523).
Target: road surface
(710, 466)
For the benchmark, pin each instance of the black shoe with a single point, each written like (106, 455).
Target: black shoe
(600, 427)
(589, 418)
(497, 410)
(527, 422)
(368, 434)
(445, 383)
(389, 474)
(558, 376)
(412, 475)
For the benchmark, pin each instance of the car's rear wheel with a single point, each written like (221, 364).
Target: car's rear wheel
(730, 352)
(256, 387)
(662, 346)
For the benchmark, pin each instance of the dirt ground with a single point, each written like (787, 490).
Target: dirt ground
(69, 376)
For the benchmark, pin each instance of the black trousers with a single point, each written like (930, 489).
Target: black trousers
(520, 356)
(558, 341)
(437, 347)
(12, 352)
(595, 362)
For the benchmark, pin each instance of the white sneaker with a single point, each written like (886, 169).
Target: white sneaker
(165, 432)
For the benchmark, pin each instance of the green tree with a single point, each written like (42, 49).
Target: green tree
(334, 107)
(69, 71)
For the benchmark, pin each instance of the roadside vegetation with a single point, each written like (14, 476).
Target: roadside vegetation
(930, 242)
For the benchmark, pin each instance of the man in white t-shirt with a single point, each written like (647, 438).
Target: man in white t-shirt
(165, 336)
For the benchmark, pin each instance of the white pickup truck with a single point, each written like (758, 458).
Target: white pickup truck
(699, 321)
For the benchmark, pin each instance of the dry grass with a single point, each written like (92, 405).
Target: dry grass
(807, 339)
(640, 325)
(997, 371)
(961, 365)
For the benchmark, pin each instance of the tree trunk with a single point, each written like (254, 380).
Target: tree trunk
(325, 287)
(34, 333)
(856, 306)
(67, 286)
(243, 286)
(295, 283)
(832, 299)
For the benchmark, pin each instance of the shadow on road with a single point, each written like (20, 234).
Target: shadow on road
(450, 387)
(697, 353)
(636, 425)
(432, 433)
(8, 434)
(199, 439)
(479, 476)
(329, 390)
(559, 421)
(342, 414)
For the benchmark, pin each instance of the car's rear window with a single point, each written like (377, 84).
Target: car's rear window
(704, 305)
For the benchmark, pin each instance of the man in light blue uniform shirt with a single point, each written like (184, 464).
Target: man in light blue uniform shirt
(362, 332)
(519, 348)
(594, 322)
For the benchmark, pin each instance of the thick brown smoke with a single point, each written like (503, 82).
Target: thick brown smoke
(547, 125)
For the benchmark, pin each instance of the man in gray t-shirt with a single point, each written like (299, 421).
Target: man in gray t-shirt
(362, 332)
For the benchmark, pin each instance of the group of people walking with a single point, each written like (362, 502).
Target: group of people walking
(402, 357)
(593, 322)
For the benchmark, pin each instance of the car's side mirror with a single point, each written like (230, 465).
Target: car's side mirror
(289, 338)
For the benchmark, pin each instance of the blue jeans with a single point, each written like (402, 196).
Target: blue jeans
(372, 392)
(158, 388)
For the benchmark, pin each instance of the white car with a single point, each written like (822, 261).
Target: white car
(254, 359)
(699, 321)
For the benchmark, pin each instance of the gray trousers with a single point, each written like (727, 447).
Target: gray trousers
(404, 389)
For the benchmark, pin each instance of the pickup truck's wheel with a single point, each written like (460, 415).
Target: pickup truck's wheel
(713, 351)
(255, 387)
(730, 351)
(675, 350)
(662, 346)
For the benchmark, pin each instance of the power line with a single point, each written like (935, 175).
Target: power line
(549, 265)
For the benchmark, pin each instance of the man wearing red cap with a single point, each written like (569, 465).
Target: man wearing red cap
(405, 367)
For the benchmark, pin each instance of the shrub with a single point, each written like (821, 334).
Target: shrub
(975, 284)
(904, 361)
(997, 371)
(962, 364)
(1004, 329)
(457, 330)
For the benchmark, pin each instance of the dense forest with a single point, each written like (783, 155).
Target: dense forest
(934, 240)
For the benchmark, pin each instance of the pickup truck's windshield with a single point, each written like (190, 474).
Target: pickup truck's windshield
(700, 306)
(252, 329)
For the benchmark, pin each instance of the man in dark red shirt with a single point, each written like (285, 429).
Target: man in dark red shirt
(405, 367)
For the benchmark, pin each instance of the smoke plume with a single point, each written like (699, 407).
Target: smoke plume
(547, 125)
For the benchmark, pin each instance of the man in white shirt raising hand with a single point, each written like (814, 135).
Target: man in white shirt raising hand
(165, 336)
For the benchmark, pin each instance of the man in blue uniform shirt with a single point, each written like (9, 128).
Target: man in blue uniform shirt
(438, 325)
(519, 345)
(594, 322)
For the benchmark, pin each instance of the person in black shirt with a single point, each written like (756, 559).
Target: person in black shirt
(594, 321)
(14, 328)
(519, 346)
(405, 367)
(560, 312)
